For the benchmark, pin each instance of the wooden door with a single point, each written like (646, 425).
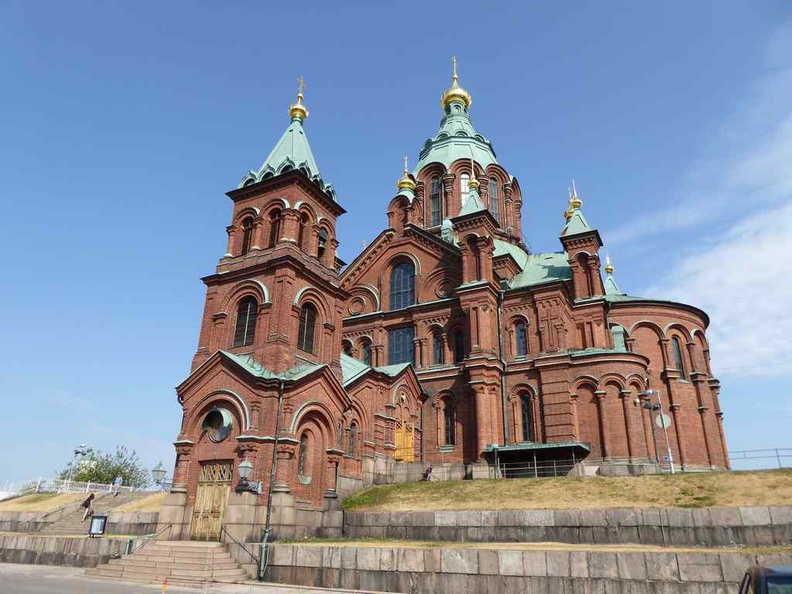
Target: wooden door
(404, 441)
(214, 484)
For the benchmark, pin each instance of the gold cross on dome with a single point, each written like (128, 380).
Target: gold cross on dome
(454, 62)
(405, 163)
(300, 85)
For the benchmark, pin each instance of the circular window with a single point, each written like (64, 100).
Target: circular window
(217, 423)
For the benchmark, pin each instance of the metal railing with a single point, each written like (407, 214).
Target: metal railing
(224, 530)
(761, 459)
(147, 540)
(58, 485)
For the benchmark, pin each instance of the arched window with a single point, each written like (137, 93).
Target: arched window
(527, 418)
(459, 346)
(347, 347)
(402, 285)
(435, 187)
(438, 348)
(247, 235)
(274, 234)
(680, 365)
(353, 428)
(321, 247)
(340, 434)
(400, 346)
(464, 191)
(366, 353)
(245, 328)
(303, 454)
(521, 339)
(450, 422)
(305, 336)
(493, 198)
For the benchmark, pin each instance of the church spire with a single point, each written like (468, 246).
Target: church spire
(575, 221)
(455, 92)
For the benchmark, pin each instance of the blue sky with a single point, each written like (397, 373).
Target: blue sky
(123, 124)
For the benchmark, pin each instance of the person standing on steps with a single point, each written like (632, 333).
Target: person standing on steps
(88, 505)
(117, 482)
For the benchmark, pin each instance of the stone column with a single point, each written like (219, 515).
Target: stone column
(632, 448)
(680, 442)
(290, 225)
(508, 194)
(604, 426)
(448, 194)
(283, 470)
(258, 226)
(483, 430)
(231, 230)
(573, 405)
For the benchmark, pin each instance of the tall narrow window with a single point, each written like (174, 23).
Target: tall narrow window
(527, 419)
(459, 346)
(521, 339)
(680, 365)
(434, 201)
(321, 247)
(303, 455)
(353, 429)
(245, 328)
(400, 346)
(366, 353)
(493, 198)
(438, 348)
(450, 422)
(464, 191)
(402, 285)
(340, 434)
(274, 234)
(247, 235)
(305, 336)
(346, 346)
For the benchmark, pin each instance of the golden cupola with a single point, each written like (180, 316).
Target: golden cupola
(455, 92)
(406, 182)
(298, 110)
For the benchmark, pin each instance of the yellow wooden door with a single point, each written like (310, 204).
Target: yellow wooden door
(404, 441)
(214, 484)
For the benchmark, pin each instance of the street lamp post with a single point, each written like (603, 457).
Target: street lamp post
(81, 450)
(158, 474)
(245, 469)
(663, 422)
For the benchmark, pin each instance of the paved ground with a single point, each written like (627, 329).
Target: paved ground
(43, 579)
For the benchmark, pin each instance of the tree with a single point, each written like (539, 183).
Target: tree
(99, 467)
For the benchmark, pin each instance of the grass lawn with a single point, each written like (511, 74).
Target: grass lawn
(710, 489)
(40, 502)
(152, 503)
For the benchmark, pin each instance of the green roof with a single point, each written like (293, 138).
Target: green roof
(257, 369)
(292, 152)
(576, 224)
(456, 139)
(611, 288)
(352, 369)
(473, 204)
(503, 248)
(542, 268)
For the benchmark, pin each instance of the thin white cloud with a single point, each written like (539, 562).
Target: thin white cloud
(743, 280)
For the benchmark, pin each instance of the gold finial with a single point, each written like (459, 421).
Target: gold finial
(608, 266)
(473, 182)
(455, 92)
(298, 110)
(568, 214)
(406, 182)
(574, 201)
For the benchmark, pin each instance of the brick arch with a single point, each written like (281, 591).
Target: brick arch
(613, 378)
(313, 420)
(588, 419)
(516, 396)
(244, 288)
(676, 326)
(646, 324)
(317, 299)
(387, 269)
(583, 380)
(250, 211)
(236, 404)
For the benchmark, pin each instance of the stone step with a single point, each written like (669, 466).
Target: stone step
(132, 562)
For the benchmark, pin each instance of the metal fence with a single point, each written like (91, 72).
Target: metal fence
(57, 485)
(761, 459)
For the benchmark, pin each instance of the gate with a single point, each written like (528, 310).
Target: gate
(405, 449)
(214, 484)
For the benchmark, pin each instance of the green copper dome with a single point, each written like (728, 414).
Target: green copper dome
(456, 139)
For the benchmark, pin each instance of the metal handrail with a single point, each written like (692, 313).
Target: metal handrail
(149, 538)
(244, 548)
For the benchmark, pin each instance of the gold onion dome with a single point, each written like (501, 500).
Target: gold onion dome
(608, 266)
(574, 200)
(298, 110)
(473, 182)
(455, 92)
(406, 182)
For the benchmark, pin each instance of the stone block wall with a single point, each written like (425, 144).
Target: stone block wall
(59, 550)
(723, 526)
(419, 571)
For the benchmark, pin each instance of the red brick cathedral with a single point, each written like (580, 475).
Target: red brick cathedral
(446, 340)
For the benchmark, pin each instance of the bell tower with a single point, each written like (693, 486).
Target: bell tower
(275, 294)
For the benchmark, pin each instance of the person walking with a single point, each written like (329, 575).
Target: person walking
(88, 505)
(117, 482)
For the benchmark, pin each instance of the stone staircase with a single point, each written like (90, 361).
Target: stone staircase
(71, 522)
(181, 563)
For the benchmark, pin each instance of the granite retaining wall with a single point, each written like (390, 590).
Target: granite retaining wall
(59, 550)
(503, 571)
(714, 527)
